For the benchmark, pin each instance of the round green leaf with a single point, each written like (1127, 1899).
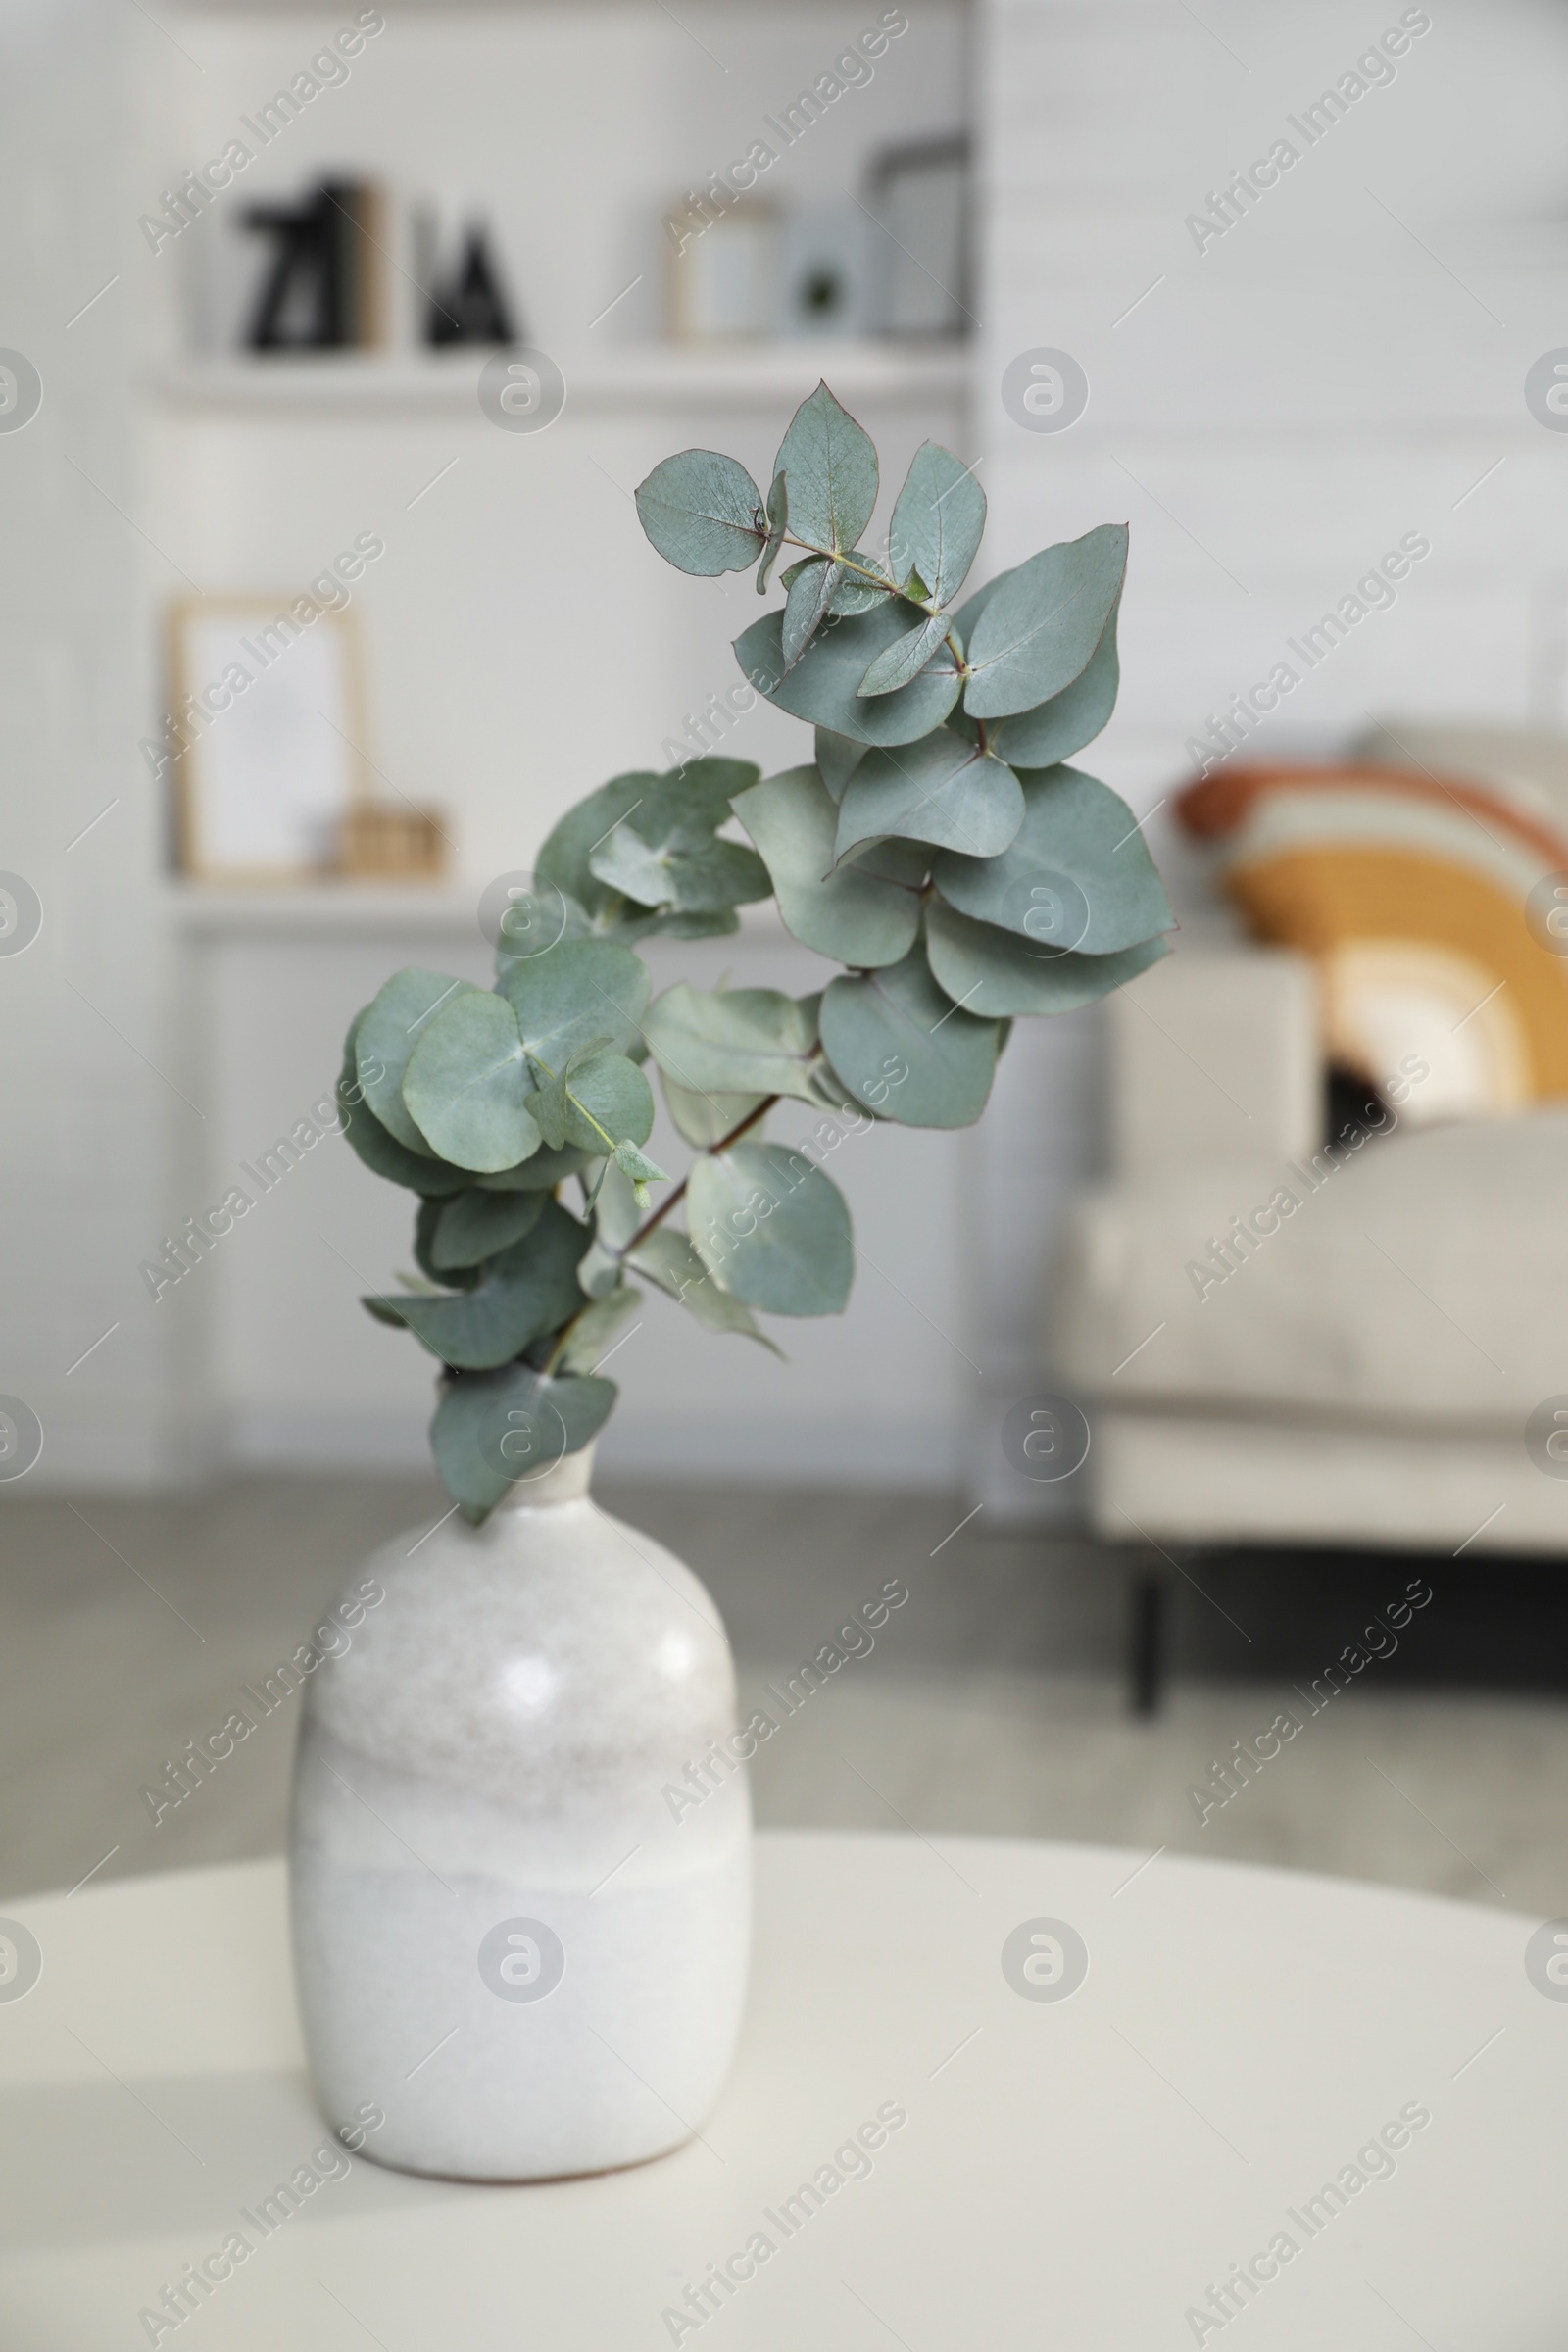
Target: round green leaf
(902, 1048)
(736, 1040)
(384, 1038)
(1077, 876)
(595, 1327)
(999, 974)
(608, 1102)
(905, 657)
(381, 1152)
(670, 1260)
(529, 1288)
(1037, 626)
(477, 1225)
(700, 511)
(706, 1119)
(492, 1429)
(563, 862)
(941, 789)
(807, 606)
(823, 686)
(584, 991)
(1054, 730)
(837, 758)
(867, 914)
(771, 1229)
(468, 1082)
(829, 462)
(539, 1175)
(937, 521)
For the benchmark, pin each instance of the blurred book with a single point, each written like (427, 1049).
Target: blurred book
(322, 284)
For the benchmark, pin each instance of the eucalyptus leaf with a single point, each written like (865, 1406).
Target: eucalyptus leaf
(700, 511)
(832, 470)
(905, 658)
(736, 1040)
(1077, 876)
(635, 1163)
(477, 1225)
(666, 853)
(860, 589)
(941, 789)
(616, 1216)
(867, 914)
(612, 1099)
(823, 685)
(563, 862)
(526, 1291)
(705, 1119)
(542, 1173)
(440, 1278)
(584, 990)
(468, 1085)
(1039, 625)
(1052, 731)
(670, 1260)
(553, 915)
(778, 522)
(938, 520)
(386, 1033)
(718, 874)
(595, 1329)
(837, 758)
(902, 1047)
(771, 1229)
(999, 974)
(495, 1429)
(380, 1152)
(673, 924)
(807, 606)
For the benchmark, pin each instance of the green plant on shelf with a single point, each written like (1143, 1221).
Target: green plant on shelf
(936, 847)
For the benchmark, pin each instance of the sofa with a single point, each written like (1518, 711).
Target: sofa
(1283, 1337)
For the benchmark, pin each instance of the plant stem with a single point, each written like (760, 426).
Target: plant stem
(723, 1145)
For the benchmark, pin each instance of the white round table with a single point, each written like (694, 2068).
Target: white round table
(1247, 2062)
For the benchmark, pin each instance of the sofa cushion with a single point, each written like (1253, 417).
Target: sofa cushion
(1430, 907)
(1408, 1277)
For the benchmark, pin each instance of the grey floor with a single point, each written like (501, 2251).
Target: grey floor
(992, 1700)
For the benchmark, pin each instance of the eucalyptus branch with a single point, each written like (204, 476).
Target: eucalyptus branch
(723, 1145)
(436, 1060)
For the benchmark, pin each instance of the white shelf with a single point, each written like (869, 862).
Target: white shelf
(634, 377)
(349, 911)
(322, 909)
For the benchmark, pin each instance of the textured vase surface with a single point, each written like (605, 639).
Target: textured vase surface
(516, 1956)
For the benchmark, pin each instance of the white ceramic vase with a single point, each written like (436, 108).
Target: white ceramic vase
(516, 1957)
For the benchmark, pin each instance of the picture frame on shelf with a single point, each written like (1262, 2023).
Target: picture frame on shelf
(920, 194)
(723, 282)
(271, 708)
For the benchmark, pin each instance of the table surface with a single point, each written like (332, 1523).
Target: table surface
(1073, 2172)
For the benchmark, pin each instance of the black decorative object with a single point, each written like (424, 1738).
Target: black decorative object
(468, 304)
(320, 292)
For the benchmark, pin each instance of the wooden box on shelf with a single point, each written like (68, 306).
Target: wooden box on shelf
(380, 843)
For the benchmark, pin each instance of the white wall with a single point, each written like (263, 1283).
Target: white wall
(1268, 415)
(523, 641)
(1271, 412)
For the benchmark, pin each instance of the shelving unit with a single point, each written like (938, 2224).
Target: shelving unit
(632, 377)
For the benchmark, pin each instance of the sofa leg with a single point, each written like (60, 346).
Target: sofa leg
(1147, 1632)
